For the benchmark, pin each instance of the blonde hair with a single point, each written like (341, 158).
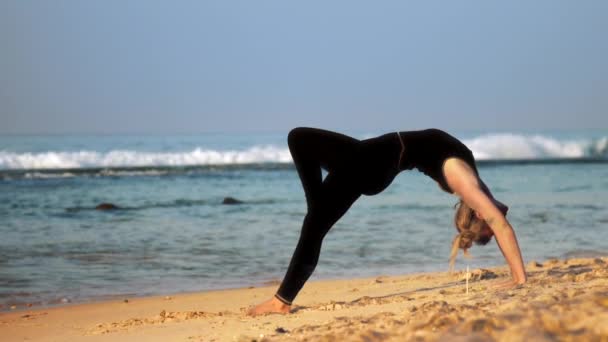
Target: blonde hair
(469, 228)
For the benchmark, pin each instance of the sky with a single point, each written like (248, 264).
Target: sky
(126, 66)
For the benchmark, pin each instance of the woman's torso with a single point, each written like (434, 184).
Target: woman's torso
(376, 164)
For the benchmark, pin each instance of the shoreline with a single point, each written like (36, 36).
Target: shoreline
(564, 298)
(270, 282)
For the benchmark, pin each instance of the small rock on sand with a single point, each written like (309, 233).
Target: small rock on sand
(281, 330)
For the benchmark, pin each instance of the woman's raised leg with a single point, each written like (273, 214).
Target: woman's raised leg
(313, 149)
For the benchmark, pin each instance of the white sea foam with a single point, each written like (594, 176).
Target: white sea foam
(486, 147)
(126, 173)
(516, 146)
(124, 158)
(48, 175)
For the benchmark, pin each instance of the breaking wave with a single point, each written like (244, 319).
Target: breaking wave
(516, 146)
(491, 148)
(122, 158)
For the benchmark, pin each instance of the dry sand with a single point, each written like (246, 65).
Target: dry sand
(564, 300)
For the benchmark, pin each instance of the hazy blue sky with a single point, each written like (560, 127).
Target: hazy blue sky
(196, 66)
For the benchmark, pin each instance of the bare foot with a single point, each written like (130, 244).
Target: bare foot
(270, 306)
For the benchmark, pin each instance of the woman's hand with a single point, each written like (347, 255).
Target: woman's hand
(505, 284)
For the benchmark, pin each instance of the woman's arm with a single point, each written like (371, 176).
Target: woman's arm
(501, 206)
(465, 183)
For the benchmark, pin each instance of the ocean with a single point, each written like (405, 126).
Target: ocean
(171, 233)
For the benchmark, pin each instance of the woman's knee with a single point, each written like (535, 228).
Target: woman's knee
(296, 135)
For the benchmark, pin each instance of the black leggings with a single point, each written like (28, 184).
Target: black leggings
(347, 161)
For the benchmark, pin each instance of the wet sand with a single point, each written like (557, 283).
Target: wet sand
(564, 300)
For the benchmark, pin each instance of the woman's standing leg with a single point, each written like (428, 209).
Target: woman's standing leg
(335, 198)
(311, 150)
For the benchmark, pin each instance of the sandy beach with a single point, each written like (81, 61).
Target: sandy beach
(564, 300)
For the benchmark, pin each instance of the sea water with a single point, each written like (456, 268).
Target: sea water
(172, 233)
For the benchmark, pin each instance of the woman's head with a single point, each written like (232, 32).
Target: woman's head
(471, 228)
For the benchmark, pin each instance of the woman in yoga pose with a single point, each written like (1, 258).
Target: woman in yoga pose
(367, 167)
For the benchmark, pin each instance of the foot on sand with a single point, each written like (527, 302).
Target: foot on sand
(270, 306)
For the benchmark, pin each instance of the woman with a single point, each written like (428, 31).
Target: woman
(367, 167)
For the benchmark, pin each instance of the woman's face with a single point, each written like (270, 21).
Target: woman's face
(485, 234)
